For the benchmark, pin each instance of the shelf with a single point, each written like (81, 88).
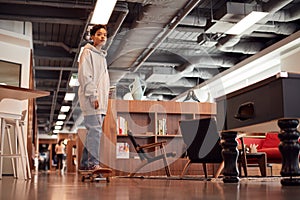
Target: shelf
(169, 136)
(137, 135)
(142, 119)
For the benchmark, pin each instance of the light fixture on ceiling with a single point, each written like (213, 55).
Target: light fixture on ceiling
(65, 108)
(57, 127)
(59, 123)
(248, 21)
(74, 80)
(69, 97)
(56, 131)
(62, 116)
(102, 11)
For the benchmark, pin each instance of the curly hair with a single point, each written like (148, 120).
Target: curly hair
(96, 28)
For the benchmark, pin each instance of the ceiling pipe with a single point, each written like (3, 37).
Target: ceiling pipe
(76, 4)
(274, 5)
(231, 43)
(243, 47)
(56, 44)
(286, 15)
(174, 23)
(278, 28)
(194, 20)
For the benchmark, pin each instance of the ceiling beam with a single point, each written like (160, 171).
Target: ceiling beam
(44, 19)
(76, 4)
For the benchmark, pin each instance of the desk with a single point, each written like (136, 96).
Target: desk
(20, 93)
(273, 102)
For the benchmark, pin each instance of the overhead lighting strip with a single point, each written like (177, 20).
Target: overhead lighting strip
(102, 11)
(248, 21)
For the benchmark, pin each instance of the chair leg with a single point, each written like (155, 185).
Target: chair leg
(244, 165)
(204, 169)
(10, 150)
(21, 149)
(221, 166)
(167, 168)
(2, 144)
(144, 162)
(187, 165)
(26, 153)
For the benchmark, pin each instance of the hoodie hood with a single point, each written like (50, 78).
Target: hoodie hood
(94, 49)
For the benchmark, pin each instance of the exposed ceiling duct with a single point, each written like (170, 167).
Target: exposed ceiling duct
(171, 45)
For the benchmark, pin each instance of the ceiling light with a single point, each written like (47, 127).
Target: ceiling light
(64, 109)
(61, 116)
(59, 123)
(74, 80)
(69, 96)
(246, 22)
(102, 11)
(56, 131)
(57, 127)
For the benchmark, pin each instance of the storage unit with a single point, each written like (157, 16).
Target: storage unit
(142, 118)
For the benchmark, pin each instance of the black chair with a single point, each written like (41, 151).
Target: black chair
(146, 158)
(202, 141)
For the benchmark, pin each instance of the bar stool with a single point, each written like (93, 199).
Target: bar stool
(11, 123)
(11, 110)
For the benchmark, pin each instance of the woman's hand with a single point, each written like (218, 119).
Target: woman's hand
(96, 104)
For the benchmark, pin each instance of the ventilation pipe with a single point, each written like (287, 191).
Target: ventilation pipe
(273, 6)
(243, 47)
(233, 44)
(194, 20)
(278, 28)
(56, 44)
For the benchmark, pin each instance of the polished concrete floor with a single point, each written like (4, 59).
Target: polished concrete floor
(53, 186)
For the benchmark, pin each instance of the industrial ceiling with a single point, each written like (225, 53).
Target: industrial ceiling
(171, 45)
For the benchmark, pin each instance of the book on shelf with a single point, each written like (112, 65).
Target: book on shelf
(162, 127)
(122, 126)
(122, 150)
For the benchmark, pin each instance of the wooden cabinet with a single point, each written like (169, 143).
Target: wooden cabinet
(142, 119)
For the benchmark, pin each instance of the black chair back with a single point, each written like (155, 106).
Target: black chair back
(202, 140)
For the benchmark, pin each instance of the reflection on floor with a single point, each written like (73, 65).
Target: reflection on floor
(68, 186)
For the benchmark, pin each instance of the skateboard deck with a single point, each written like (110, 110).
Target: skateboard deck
(97, 175)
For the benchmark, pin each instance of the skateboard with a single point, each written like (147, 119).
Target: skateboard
(97, 175)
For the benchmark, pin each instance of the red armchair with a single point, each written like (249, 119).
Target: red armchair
(268, 144)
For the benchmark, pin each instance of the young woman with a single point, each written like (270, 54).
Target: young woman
(93, 95)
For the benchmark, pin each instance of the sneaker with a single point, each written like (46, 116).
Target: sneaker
(95, 167)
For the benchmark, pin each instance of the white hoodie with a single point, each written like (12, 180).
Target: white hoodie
(94, 81)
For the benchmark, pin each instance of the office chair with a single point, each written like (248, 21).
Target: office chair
(146, 158)
(202, 140)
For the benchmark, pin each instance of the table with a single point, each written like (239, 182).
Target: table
(273, 103)
(261, 159)
(20, 93)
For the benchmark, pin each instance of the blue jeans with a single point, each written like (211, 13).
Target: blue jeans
(91, 154)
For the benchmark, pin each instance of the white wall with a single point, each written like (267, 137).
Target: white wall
(16, 47)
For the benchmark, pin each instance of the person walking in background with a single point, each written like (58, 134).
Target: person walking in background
(93, 95)
(60, 152)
